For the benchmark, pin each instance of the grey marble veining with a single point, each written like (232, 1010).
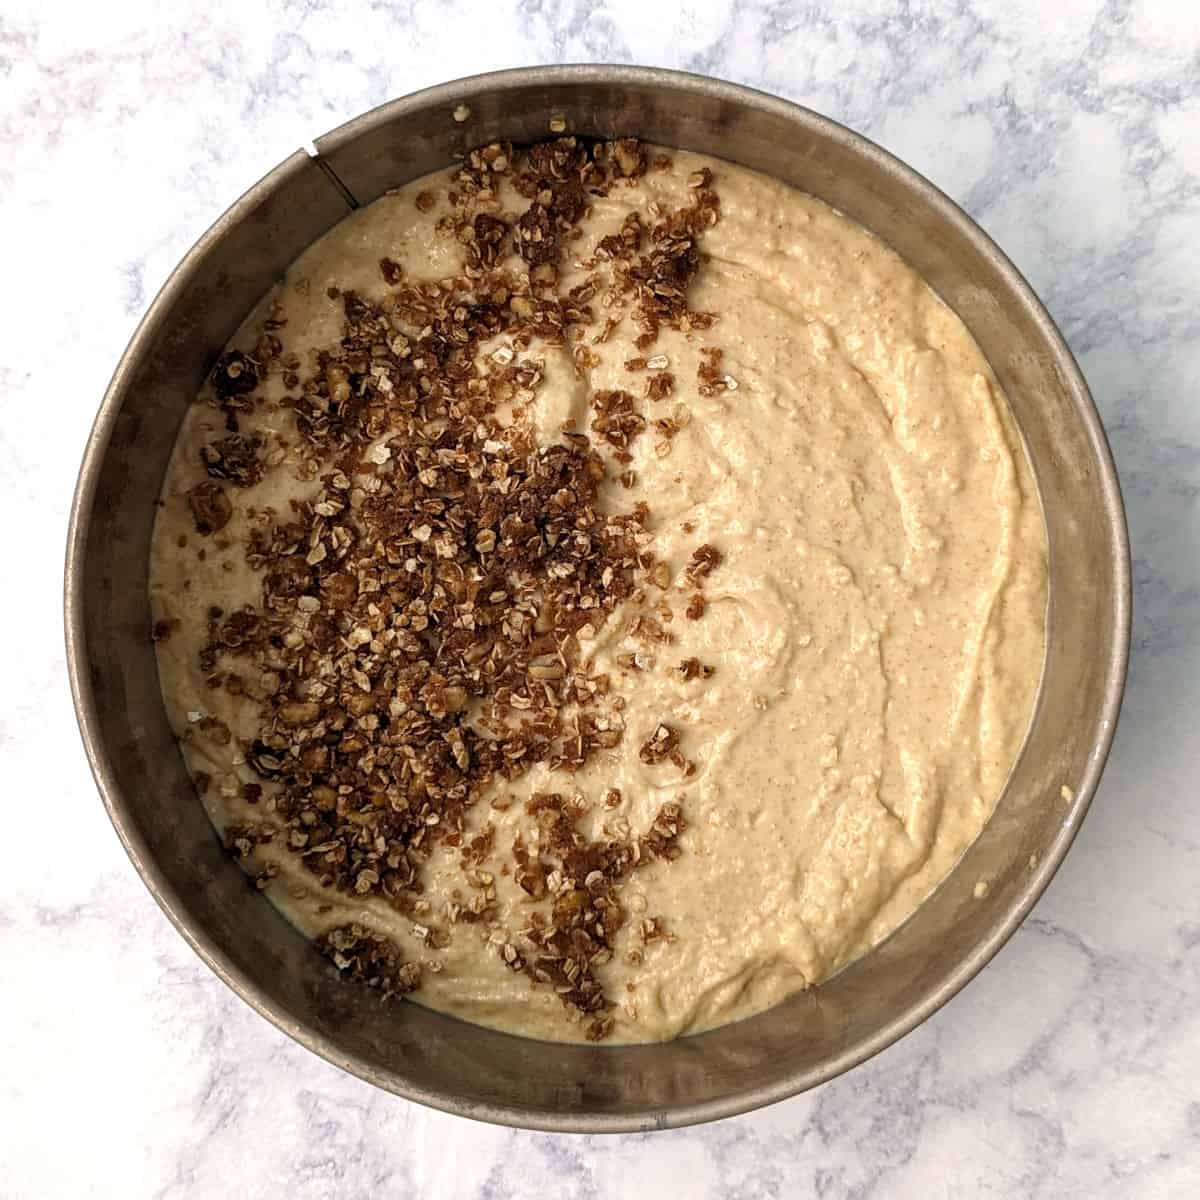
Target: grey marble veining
(1071, 1067)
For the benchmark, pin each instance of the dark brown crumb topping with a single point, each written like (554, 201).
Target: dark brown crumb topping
(660, 745)
(582, 878)
(703, 562)
(236, 374)
(211, 508)
(235, 458)
(693, 668)
(375, 961)
(660, 385)
(616, 418)
(424, 615)
(391, 271)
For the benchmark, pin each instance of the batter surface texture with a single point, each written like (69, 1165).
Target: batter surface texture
(755, 747)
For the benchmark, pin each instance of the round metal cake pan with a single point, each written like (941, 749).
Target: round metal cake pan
(436, 1059)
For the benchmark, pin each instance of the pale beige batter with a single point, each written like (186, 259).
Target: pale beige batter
(876, 626)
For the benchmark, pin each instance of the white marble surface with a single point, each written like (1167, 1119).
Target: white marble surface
(1072, 1066)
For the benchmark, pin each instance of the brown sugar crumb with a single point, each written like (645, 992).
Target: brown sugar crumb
(469, 566)
(668, 427)
(480, 846)
(488, 237)
(554, 179)
(661, 840)
(241, 840)
(477, 181)
(660, 745)
(599, 1028)
(425, 604)
(703, 562)
(234, 458)
(370, 958)
(610, 323)
(647, 629)
(236, 375)
(710, 374)
(211, 508)
(659, 279)
(660, 385)
(425, 201)
(630, 157)
(652, 929)
(696, 606)
(582, 877)
(625, 243)
(163, 629)
(693, 668)
(616, 418)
